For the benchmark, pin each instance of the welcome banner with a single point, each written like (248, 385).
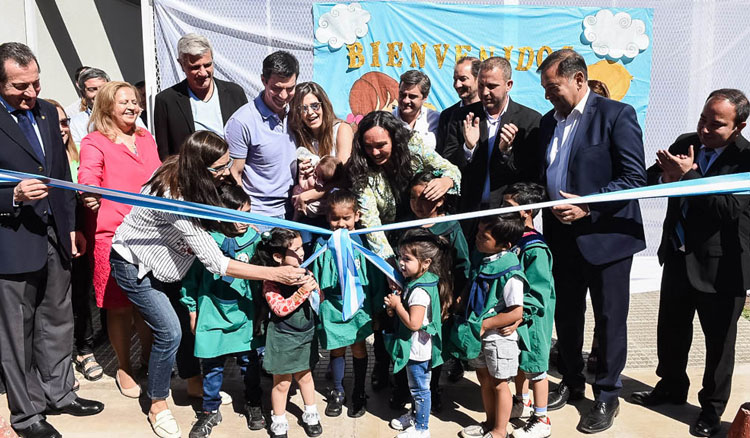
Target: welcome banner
(361, 49)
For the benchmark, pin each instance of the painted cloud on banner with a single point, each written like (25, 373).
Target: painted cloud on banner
(343, 24)
(615, 36)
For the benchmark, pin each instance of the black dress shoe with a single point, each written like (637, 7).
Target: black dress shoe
(80, 407)
(558, 397)
(600, 417)
(656, 397)
(40, 429)
(705, 428)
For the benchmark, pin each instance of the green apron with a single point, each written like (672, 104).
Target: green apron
(399, 343)
(538, 303)
(489, 279)
(224, 304)
(333, 331)
(291, 343)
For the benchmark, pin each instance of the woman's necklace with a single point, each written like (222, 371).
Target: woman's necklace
(128, 140)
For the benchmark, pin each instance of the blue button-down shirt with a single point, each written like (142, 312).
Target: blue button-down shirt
(257, 135)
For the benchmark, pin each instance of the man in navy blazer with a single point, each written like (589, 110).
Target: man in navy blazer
(589, 144)
(37, 243)
(705, 251)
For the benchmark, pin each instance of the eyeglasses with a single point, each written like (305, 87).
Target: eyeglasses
(65, 122)
(315, 106)
(221, 168)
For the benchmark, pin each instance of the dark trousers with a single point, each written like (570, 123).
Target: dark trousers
(718, 314)
(213, 377)
(36, 338)
(187, 364)
(609, 286)
(83, 330)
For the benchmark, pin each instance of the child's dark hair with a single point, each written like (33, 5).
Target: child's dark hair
(341, 196)
(506, 227)
(527, 193)
(422, 244)
(232, 195)
(427, 175)
(276, 241)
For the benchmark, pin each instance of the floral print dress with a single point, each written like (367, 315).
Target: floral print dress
(378, 205)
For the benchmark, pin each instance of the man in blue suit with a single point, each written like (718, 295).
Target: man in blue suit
(37, 243)
(589, 144)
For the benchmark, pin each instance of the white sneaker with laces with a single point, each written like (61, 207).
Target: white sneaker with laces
(536, 427)
(403, 422)
(520, 409)
(474, 431)
(412, 432)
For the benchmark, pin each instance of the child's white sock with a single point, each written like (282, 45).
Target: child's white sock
(279, 424)
(311, 415)
(526, 397)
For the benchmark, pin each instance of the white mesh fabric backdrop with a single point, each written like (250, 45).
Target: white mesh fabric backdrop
(698, 46)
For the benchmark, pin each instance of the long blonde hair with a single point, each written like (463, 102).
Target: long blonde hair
(102, 119)
(70, 146)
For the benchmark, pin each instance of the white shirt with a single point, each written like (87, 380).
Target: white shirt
(493, 126)
(425, 126)
(421, 341)
(558, 150)
(207, 115)
(512, 296)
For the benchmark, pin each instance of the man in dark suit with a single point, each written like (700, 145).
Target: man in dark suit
(200, 102)
(491, 140)
(36, 244)
(589, 144)
(465, 83)
(705, 250)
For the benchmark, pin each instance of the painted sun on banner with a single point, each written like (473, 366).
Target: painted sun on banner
(361, 49)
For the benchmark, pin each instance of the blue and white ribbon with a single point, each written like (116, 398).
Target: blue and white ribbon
(342, 246)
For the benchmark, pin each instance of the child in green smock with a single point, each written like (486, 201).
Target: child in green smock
(494, 300)
(335, 334)
(424, 208)
(291, 342)
(221, 316)
(538, 316)
(424, 261)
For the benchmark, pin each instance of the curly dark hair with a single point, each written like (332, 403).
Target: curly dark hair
(398, 169)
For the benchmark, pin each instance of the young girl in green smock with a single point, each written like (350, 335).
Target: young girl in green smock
(291, 342)
(221, 317)
(424, 208)
(424, 261)
(334, 333)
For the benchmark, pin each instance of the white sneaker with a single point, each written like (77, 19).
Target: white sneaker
(403, 422)
(520, 409)
(474, 431)
(536, 427)
(412, 432)
(226, 399)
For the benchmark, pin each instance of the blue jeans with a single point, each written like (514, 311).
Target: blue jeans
(149, 295)
(213, 377)
(418, 374)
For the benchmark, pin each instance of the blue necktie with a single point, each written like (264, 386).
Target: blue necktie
(706, 160)
(28, 130)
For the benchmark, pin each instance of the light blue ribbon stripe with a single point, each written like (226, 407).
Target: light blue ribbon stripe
(738, 183)
(340, 242)
(184, 208)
